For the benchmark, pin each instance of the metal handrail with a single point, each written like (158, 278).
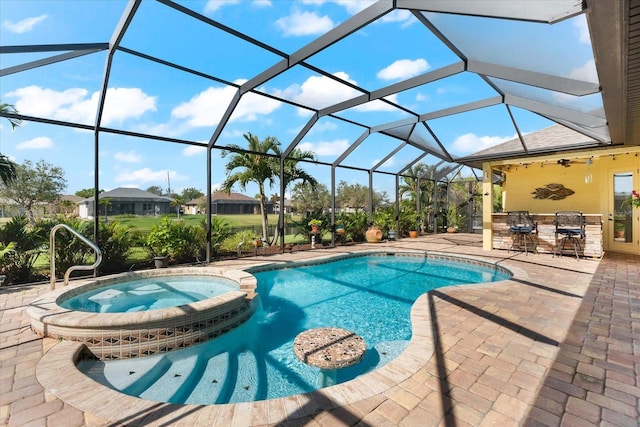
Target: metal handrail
(52, 247)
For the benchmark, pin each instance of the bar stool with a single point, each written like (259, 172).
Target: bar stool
(522, 227)
(571, 225)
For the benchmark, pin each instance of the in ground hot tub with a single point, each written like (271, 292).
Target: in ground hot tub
(179, 323)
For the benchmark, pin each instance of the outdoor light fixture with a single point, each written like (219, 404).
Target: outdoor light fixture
(588, 178)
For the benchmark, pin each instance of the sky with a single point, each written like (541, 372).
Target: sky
(151, 98)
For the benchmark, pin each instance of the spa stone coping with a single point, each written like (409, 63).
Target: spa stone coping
(46, 310)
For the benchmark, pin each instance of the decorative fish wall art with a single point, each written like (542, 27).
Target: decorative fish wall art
(552, 192)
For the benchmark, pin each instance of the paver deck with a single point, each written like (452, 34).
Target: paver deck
(558, 344)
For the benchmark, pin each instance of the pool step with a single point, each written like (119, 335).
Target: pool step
(171, 385)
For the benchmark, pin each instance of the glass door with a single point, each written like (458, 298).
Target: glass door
(621, 222)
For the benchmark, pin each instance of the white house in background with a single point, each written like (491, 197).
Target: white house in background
(127, 201)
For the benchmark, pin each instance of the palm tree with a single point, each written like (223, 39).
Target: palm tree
(292, 173)
(7, 167)
(255, 166)
(7, 170)
(10, 109)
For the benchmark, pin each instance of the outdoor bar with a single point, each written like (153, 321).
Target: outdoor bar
(546, 240)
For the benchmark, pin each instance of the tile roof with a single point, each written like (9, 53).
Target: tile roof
(124, 193)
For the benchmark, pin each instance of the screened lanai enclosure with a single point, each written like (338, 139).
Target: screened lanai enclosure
(377, 90)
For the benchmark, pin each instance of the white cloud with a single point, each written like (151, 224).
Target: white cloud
(587, 72)
(193, 150)
(37, 143)
(213, 5)
(207, 107)
(378, 105)
(320, 91)
(216, 187)
(355, 6)
(304, 24)
(124, 103)
(129, 157)
(326, 148)
(23, 26)
(420, 97)
(403, 69)
(471, 143)
(399, 15)
(352, 6)
(262, 3)
(322, 126)
(73, 104)
(583, 30)
(146, 175)
(390, 162)
(233, 133)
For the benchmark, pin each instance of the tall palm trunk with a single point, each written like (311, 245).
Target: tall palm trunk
(263, 211)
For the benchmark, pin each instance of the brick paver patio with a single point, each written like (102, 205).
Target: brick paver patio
(556, 345)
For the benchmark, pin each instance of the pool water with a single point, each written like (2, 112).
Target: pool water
(369, 295)
(149, 294)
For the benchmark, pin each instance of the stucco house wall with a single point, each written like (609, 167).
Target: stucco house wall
(521, 178)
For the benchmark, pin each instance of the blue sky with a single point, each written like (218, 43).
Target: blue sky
(151, 98)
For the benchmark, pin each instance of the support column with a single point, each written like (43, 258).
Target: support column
(487, 207)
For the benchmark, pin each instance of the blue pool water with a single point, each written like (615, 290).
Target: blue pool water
(369, 295)
(149, 294)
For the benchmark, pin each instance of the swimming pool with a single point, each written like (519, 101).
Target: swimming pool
(148, 294)
(371, 295)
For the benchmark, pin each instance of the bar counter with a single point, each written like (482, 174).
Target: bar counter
(591, 246)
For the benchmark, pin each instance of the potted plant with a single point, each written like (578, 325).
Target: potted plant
(413, 231)
(454, 220)
(619, 230)
(159, 242)
(315, 224)
(373, 234)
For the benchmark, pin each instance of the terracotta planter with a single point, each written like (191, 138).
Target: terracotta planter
(257, 243)
(340, 230)
(451, 230)
(314, 228)
(373, 235)
(413, 234)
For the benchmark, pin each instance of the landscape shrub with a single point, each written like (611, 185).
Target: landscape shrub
(243, 238)
(116, 242)
(355, 225)
(28, 243)
(177, 240)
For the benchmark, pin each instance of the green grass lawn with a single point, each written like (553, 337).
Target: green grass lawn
(145, 223)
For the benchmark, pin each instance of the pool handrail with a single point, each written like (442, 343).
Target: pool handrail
(52, 248)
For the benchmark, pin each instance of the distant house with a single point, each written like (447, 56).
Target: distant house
(226, 204)
(127, 201)
(195, 206)
(288, 206)
(9, 208)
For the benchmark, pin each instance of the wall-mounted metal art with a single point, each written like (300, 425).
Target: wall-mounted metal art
(553, 192)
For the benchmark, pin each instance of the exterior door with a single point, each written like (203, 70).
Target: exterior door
(623, 221)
